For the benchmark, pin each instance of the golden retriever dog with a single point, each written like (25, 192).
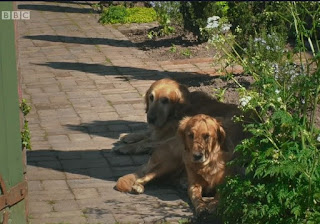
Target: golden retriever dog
(201, 147)
(167, 102)
(208, 146)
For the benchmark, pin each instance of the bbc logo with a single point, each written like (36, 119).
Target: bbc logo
(15, 15)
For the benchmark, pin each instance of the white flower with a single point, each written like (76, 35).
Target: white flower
(257, 39)
(275, 67)
(153, 4)
(212, 25)
(245, 100)
(303, 101)
(318, 138)
(213, 18)
(279, 99)
(268, 47)
(226, 27)
(277, 91)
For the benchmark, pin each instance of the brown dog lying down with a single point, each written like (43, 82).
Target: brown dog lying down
(202, 147)
(164, 101)
(167, 102)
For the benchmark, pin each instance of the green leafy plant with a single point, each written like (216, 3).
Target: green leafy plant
(114, 14)
(219, 94)
(121, 14)
(187, 52)
(282, 179)
(141, 15)
(25, 133)
(173, 48)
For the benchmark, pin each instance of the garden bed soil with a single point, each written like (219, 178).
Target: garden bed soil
(178, 45)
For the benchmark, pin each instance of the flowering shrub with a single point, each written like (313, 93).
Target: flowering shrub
(196, 13)
(282, 179)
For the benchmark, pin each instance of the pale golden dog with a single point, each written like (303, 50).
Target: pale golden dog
(167, 102)
(201, 147)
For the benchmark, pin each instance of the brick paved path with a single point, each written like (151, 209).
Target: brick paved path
(85, 84)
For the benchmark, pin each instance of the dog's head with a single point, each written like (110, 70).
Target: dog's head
(202, 135)
(163, 99)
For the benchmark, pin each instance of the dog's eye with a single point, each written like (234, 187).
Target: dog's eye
(190, 135)
(164, 100)
(205, 136)
(151, 97)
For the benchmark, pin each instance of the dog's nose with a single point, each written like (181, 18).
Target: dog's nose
(197, 156)
(151, 119)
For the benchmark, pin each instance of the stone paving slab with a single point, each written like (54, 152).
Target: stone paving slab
(85, 83)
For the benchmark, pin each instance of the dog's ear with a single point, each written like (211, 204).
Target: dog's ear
(182, 129)
(221, 133)
(183, 125)
(146, 98)
(184, 94)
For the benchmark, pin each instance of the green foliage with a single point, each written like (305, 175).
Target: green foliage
(114, 14)
(141, 15)
(195, 14)
(267, 15)
(186, 52)
(25, 134)
(121, 14)
(253, 17)
(219, 94)
(173, 48)
(282, 179)
(167, 14)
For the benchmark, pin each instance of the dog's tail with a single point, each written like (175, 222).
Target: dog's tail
(125, 183)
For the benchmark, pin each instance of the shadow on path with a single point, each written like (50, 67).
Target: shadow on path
(110, 129)
(55, 8)
(145, 45)
(82, 40)
(187, 78)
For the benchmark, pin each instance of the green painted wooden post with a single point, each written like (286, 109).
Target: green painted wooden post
(11, 167)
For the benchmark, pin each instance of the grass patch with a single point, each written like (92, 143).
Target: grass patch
(121, 14)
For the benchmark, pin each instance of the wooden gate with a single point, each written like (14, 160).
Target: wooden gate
(13, 187)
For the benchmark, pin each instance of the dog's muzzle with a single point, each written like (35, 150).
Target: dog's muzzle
(151, 119)
(198, 157)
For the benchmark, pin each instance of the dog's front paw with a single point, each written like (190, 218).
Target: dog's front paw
(202, 209)
(212, 206)
(137, 188)
(123, 149)
(130, 138)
